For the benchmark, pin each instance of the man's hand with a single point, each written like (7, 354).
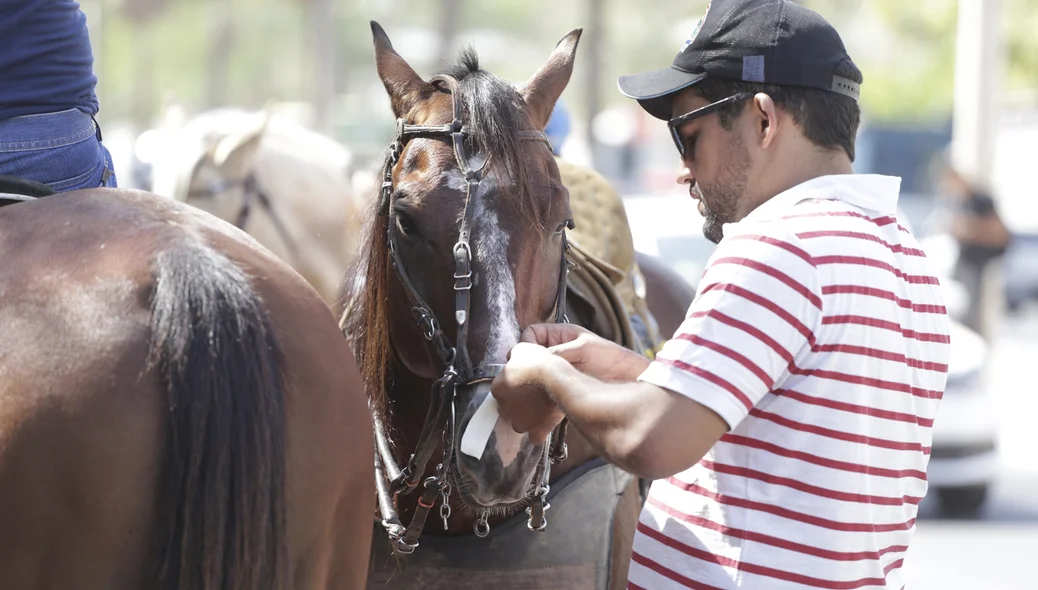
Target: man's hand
(646, 430)
(522, 393)
(588, 353)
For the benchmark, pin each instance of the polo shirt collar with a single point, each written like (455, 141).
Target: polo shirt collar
(871, 192)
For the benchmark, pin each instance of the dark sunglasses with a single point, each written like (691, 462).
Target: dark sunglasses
(713, 107)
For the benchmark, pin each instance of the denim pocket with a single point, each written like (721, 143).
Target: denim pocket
(83, 180)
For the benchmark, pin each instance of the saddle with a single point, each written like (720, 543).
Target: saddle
(15, 189)
(605, 276)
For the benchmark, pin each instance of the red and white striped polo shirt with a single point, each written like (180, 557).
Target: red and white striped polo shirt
(819, 334)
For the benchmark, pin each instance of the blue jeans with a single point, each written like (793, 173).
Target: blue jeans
(62, 150)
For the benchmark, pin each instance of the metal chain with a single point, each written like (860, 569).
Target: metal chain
(445, 506)
(447, 440)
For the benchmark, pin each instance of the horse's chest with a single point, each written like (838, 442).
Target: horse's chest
(575, 552)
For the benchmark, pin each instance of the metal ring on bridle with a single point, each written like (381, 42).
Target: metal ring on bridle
(481, 528)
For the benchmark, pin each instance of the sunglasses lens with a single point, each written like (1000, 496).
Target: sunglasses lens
(677, 141)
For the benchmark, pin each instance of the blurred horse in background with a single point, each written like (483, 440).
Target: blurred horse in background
(286, 185)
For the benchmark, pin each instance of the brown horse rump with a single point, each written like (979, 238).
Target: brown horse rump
(575, 552)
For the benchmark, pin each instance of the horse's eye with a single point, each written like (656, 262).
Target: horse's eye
(405, 224)
(568, 224)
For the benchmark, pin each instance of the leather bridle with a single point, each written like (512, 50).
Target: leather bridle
(252, 192)
(390, 480)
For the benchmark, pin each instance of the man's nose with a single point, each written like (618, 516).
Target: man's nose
(685, 174)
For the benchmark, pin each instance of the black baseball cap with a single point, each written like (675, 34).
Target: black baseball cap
(764, 41)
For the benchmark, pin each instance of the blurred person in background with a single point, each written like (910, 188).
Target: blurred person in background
(788, 422)
(558, 128)
(972, 218)
(48, 133)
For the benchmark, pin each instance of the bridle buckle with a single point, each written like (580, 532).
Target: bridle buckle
(426, 322)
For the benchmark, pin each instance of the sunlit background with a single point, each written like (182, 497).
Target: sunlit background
(945, 80)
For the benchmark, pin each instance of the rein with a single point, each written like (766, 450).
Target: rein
(390, 480)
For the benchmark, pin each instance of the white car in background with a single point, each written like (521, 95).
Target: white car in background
(963, 458)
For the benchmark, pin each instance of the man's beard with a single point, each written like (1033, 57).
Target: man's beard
(723, 196)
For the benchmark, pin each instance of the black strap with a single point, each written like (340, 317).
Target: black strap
(15, 187)
(251, 190)
(11, 198)
(409, 540)
(442, 395)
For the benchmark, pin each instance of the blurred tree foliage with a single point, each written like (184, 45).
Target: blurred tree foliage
(909, 61)
(150, 47)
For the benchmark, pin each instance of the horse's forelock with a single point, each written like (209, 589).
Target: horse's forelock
(494, 117)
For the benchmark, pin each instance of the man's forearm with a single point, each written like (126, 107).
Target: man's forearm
(644, 429)
(612, 416)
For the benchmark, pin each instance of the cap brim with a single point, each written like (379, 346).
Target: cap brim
(655, 90)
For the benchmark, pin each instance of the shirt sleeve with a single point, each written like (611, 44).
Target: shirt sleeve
(756, 310)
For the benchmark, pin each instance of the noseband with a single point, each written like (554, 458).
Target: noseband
(390, 480)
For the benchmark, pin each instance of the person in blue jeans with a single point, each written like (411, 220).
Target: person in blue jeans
(47, 102)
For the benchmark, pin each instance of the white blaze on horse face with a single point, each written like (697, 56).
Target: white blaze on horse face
(491, 251)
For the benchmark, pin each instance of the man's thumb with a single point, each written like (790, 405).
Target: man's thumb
(531, 335)
(571, 351)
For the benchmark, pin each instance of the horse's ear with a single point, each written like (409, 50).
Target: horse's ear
(173, 116)
(234, 154)
(404, 86)
(542, 90)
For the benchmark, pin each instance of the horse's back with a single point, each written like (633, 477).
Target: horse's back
(84, 415)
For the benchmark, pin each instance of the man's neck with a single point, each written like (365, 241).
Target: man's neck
(794, 171)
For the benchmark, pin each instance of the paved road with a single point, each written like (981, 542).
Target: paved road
(999, 551)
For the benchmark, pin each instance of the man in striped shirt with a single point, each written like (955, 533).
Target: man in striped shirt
(788, 422)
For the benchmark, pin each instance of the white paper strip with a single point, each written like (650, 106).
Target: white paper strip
(477, 433)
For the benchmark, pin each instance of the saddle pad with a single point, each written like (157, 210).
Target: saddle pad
(598, 213)
(574, 552)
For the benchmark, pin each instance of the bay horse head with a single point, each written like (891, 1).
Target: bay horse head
(466, 248)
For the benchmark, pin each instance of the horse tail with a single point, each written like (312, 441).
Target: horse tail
(221, 523)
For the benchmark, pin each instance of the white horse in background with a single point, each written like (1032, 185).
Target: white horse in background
(286, 185)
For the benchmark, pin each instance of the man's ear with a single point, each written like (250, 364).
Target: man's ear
(768, 123)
